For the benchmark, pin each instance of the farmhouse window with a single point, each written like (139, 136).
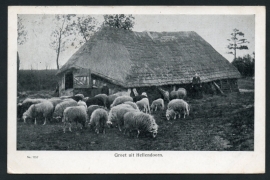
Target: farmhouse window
(82, 78)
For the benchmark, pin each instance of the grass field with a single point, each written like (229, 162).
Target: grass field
(215, 123)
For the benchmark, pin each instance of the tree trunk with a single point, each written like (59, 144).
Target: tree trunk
(234, 52)
(57, 59)
(234, 46)
(59, 44)
(58, 51)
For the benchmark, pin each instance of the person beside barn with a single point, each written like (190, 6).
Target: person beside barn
(196, 86)
(56, 92)
(105, 89)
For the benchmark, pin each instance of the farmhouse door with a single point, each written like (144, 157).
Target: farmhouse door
(82, 78)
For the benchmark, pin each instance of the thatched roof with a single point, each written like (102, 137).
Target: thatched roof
(134, 59)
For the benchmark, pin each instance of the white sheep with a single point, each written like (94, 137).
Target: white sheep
(176, 107)
(132, 104)
(91, 109)
(85, 99)
(77, 114)
(181, 93)
(99, 119)
(116, 114)
(59, 108)
(143, 105)
(69, 99)
(27, 103)
(144, 94)
(55, 101)
(157, 103)
(82, 103)
(64, 97)
(123, 93)
(33, 101)
(141, 122)
(80, 95)
(45, 109)
(121, 100)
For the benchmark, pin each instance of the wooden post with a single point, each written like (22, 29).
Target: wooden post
(220, 83)
(218, 88)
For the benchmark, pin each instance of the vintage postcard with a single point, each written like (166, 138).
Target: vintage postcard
(136, 89)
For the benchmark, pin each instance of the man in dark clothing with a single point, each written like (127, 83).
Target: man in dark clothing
(56, 92)
(196, 85)
(105, 89)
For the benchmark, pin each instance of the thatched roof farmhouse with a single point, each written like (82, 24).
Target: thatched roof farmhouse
(131, 59)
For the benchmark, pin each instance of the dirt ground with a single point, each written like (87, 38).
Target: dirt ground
(215, 123)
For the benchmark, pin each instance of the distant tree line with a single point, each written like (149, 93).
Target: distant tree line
(245, 65)
(29, 80)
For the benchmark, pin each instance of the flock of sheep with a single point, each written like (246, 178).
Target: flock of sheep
(117, 110)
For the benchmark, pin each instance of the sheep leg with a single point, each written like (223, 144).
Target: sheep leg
(44, 121)
(119, 127)
(138, 133)
(69, 127)
(35, 121)
(179, 115)
(174, 116)
(104, 131)
(64, 127)
(156, 108)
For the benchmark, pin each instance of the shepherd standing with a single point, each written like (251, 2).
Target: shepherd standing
(196, 85)
(105, 89)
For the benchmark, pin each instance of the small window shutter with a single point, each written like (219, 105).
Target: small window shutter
(81, 78)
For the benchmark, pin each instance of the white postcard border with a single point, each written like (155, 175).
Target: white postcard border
(172, 161)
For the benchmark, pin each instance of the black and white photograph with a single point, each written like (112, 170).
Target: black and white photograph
(136, 86)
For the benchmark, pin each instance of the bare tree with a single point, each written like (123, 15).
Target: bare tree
(59, 36)
(21, 37)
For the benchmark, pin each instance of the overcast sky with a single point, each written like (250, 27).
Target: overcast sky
(215, 29)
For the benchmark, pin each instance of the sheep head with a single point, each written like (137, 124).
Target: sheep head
(25, 116)
(109, 123)
(170, 114)
(154, 130)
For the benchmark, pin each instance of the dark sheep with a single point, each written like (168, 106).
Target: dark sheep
(104, 97)
(138, 98)
(76, 98)
(24, 106)
(110, 100)
(95, 101)
(20, 110)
